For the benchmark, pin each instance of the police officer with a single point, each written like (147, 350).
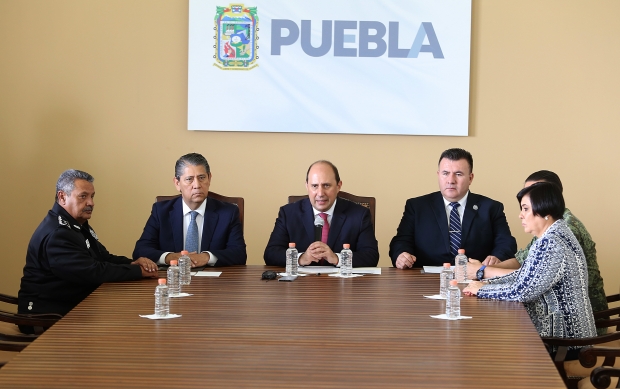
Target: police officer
(65, 261)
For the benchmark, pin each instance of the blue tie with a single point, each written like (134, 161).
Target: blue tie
(191, 240)
(455, 229)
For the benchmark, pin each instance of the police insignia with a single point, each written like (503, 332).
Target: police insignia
(93, 234)
(62, 222)
(236, 36)
(87, 244)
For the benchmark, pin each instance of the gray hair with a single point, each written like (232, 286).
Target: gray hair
(194, 159)
(66, 181)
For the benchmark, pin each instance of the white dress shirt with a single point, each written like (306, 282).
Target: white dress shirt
(187, 218)
(330, 215)
(460, 210)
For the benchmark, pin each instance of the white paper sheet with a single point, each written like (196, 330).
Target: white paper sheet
(182, 294)
(207, 274)
(367, 270)
(318, 270)
(341, 276)
(155, 317)
(436, 297)
(334, 270)
(433, 269)
(443, 316)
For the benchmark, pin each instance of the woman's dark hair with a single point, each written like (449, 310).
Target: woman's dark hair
(546, 199)
(546, 176)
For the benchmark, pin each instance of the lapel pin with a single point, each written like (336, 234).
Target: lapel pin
(475, 207)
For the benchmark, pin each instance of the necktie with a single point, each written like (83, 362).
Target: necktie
(191, 239)
(324, 234)
(455, 229)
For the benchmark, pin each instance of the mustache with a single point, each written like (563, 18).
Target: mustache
(87, 208)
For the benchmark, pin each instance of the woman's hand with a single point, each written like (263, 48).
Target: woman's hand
(472, 288)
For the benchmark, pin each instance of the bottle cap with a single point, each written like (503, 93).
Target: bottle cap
(446, 265)
(184, 252)
(346, 246)
(161, 281)
(291, 244)
(174, 262)
(461, 251)
(453, 283)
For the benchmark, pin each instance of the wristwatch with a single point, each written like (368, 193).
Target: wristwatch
(480, 273)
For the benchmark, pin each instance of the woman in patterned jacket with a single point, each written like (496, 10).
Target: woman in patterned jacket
(552, 283)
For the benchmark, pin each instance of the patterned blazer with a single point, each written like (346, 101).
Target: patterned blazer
(553, 285)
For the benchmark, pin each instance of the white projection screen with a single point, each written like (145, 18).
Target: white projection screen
(338, 66)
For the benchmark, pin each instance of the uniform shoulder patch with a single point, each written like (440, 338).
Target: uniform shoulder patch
(63, 222)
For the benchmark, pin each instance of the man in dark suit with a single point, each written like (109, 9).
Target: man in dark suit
(436, 225)
(209, 229)
(344, 222)
(65, 261)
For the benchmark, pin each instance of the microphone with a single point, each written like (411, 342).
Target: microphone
(318, 228)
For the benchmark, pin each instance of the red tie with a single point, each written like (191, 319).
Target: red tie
(324, 234)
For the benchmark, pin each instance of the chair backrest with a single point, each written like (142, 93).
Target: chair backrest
(238, 201)
(5, 298)
(35, 320)
(368, 202)
(11, 339)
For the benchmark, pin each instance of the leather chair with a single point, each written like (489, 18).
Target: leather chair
(11, 339)
(597, 351)
(238, 201)
(368, 202)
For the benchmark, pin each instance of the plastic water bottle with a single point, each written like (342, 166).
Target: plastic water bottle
(174, 279)
(445, 277)
(453, 301)
(460, 266)
(346, 260)
(162, 300)
(291, 260)
(185, 264)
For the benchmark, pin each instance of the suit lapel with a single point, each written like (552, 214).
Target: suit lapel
(176, 218)
(337, 223)
(441, 217)
(209, 222)
(471, 213)
(307, 218)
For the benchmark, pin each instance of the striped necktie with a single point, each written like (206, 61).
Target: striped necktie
(455, 229)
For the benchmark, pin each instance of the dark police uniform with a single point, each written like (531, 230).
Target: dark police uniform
(65, 263)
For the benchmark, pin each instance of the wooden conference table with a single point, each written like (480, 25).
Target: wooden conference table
(317, 332)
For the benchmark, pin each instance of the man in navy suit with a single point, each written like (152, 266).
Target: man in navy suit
(209, 229)
(426, 234)
(344, 222)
